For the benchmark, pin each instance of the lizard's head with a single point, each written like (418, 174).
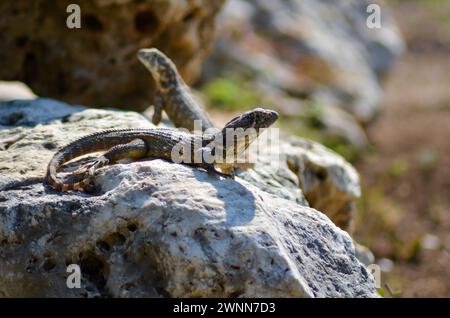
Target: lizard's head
(162, 68)
(241, 131)
(257, 118)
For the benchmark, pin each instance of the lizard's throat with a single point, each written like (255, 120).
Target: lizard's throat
(236, 147)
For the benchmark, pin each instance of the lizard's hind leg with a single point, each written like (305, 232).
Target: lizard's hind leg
(135, 149)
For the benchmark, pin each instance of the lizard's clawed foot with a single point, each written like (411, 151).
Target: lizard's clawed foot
(90, 167)
(83, 170)
(216, 172)
(96, 164)
(91, 188)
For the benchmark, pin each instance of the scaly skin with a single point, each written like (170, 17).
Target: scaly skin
(153, 143)
(172, 94)
(174, 97)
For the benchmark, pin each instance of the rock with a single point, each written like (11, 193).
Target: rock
(157, 228)
(319, 51)
(97, 64)
(329, 183)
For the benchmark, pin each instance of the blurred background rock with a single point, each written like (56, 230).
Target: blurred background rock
(378, 97)
(96, 64)
(315, 60)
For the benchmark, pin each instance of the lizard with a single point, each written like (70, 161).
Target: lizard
(175, 98)
(172, 94)
(156, 143)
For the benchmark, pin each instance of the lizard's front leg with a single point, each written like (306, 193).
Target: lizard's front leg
(207, 163)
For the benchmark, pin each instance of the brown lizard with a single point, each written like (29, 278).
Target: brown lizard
(175, 98)
(158, 143)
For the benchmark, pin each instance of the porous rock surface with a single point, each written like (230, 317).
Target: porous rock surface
(97, 64)
(156, 228)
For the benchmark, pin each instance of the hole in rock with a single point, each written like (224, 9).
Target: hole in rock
(146, 22)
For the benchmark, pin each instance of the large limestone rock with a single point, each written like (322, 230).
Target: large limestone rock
(97, 64)
(309, 174)
(157, 228)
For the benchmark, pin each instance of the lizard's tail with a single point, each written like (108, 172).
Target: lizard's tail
(67, 153)
(95, 142)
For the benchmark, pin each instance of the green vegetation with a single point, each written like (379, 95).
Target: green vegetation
(398, 168)
(230, 94)
(381, 292)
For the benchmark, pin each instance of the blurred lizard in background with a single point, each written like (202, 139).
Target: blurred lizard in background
(172, 94)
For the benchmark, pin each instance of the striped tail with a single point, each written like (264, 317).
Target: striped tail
(99, 141)
(71, 151)
(76, 182)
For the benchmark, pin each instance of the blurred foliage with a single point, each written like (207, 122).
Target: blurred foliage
(398, 168)
(381, 292)
(381, 214)
(309, 125)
